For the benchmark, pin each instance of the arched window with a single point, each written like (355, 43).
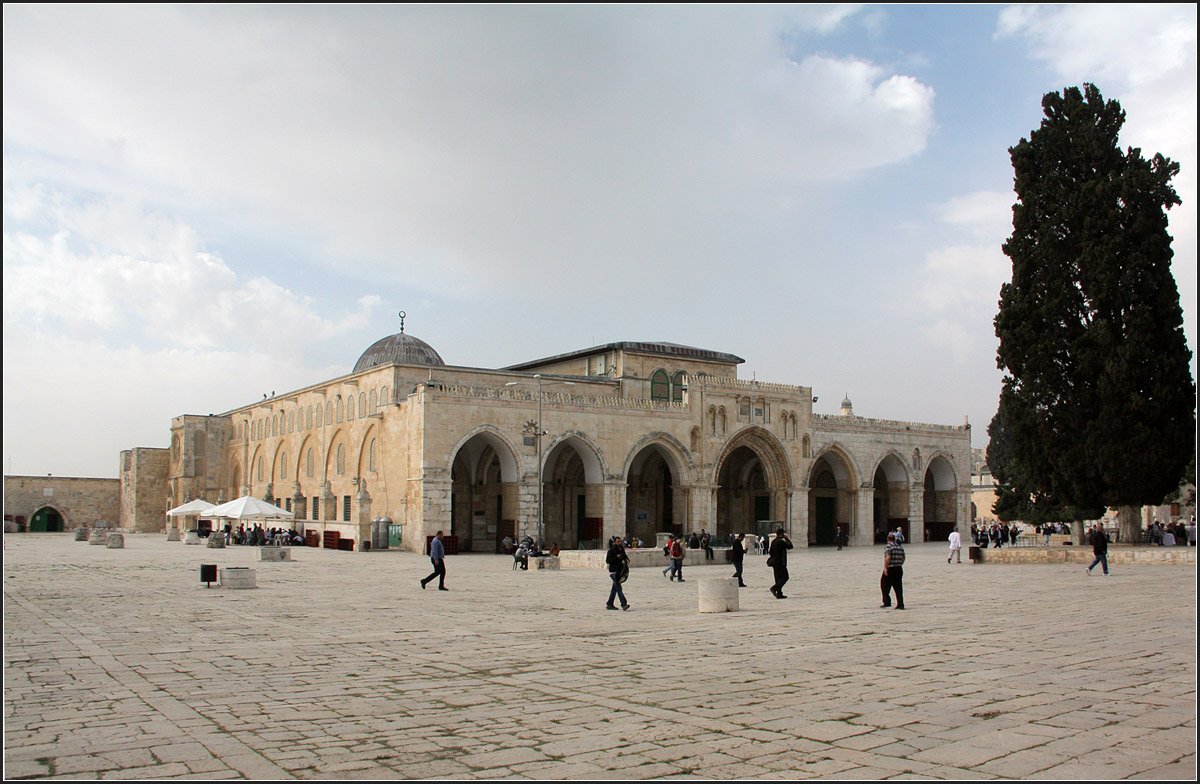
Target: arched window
(309, 423)
(712, 420)
(308, 463)
(373, 399)
(371, 455)
(678, 382)
(341, 459)
(807, 449)
(660, 385)
(283, 466)
(274, 425)
(383, 396)
(329, 412)
(260, 468)
(721, 419)
(338, 416)
(350, 407)
(362, 404)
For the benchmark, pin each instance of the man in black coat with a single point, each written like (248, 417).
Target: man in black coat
(737, 555)
(778, 561)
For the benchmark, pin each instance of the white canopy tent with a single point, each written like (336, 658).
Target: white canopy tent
(196, 507)
(249, 508)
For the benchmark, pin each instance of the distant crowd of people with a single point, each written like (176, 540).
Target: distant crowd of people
(996, 535)
(258, 536)
(1183, 533)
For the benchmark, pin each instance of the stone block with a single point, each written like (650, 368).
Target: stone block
(238, 577)
(274, 553)
(545, 562)
(718, 594)
(115, 541)
(98, 537)
(192, 537)
(81, 534)
(173, 535)
(216, 539)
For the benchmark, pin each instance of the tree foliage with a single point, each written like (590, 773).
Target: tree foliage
(1098, 399)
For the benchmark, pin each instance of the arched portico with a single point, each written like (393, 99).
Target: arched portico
(484, 492)
(831, 499)
(573, 494)
(890, 506)
(940, 499)
(753, 480)
(655, 496)
(47, 518)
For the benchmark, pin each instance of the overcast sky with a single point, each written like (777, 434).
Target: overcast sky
(203, 204)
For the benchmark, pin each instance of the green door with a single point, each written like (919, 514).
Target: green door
(46, 519)
(826, 524)
(762, 507)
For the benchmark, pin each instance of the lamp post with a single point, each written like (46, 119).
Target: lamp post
(537, 432)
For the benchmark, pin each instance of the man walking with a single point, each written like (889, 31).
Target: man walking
(437, 554)
(677, 559)
(737, 555)
(955, 546)
(1099, 548)
(893, 573)
(777, 560)
(618, 570)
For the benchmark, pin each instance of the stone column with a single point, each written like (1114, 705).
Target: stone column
(364, 515)
(916, 514)
(614, 511)
(799, 523)
(863, 527)
(527, 507)
(328, 504)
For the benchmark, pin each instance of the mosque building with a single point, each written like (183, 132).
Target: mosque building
(630, 438)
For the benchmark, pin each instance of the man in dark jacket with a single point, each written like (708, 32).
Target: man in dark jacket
(1099, 548)
(737, 555)
(618, 570)
(778, 561)
(893, 573)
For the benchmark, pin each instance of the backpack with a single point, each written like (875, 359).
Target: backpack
(676, 549)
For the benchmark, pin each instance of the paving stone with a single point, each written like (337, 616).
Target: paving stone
(510, 677)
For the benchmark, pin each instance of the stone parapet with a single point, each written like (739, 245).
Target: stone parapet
(595, 559)
(1117, 554)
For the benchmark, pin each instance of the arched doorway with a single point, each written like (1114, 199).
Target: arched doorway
(830, 499)
(654, 501)
(890, 506)
(573, 496)
(483, 497)
(744, 494)
(941, 502)
(46, 519)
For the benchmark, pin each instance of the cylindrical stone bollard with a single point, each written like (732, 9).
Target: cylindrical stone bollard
(115, 541)
(81, 534)
(238, 577)
(98, 537)
(718, 594)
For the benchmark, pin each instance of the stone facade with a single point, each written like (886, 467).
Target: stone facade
(144, 493)
(59, 503)
(627, 438)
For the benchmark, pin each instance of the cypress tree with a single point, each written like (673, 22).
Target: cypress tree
(1098, 395)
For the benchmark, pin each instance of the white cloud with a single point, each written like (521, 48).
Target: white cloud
(468, 148)
(105, 265)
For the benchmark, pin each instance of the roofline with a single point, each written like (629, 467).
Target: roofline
(638, 347)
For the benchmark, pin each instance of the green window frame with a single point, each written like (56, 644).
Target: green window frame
(660, 385)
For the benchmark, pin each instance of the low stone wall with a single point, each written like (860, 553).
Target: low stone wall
(1117, 554)
(645, 557)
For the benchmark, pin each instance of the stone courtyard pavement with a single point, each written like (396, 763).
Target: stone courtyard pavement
(122, 664)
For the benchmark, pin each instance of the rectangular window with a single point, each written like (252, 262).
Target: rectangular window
(346, 508)
(315, 515)
(301, 508)
(744, 411)
(287, 504)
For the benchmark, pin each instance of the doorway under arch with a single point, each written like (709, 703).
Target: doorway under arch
(654, 501)
(46, 519)
(483, 495)
(830, 500)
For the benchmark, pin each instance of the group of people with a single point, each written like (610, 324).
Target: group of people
(997, 534)
(1184, 534)
(257, 536)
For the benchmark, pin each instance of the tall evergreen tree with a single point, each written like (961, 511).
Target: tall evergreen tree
(1098, 394)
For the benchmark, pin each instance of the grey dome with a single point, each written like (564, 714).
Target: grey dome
(401, 348)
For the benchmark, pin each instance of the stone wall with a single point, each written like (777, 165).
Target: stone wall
(145, 491)
(1117, 554)
(81, 502)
